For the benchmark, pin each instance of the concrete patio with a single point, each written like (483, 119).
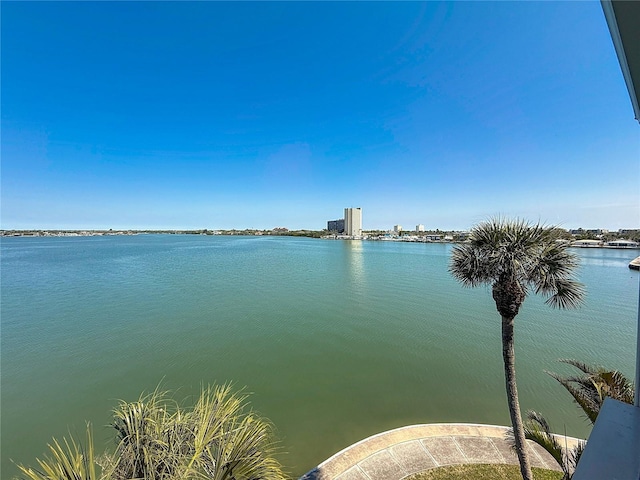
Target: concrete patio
(396, 454)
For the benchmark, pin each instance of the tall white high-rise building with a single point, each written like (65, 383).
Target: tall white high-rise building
(419, 228)
(353, 222)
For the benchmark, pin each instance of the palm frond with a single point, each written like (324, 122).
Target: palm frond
(215, 409)
(582, 366)
(537, 428)
(574, 455)
(68, 460)
(568, 294)
(245, 451)
(143, 450)
(595, 384)
(551, 261)
(586, 395)
(550, 272)
(615, 385)
(469, 267)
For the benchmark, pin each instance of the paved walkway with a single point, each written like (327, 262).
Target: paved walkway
(398, 453)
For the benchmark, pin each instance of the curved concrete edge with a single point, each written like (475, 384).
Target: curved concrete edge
(398, 453)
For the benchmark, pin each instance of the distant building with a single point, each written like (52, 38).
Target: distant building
(336, 226)
(397, 228)
(419, 228)
(353, 221)
(591, 231)
(586, 243)
(622, 243)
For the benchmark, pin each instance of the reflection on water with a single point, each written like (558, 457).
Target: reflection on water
(355, 263)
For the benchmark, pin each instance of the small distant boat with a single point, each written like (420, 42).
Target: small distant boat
(635, 264)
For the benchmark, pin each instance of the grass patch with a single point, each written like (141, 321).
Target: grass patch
(483, 472)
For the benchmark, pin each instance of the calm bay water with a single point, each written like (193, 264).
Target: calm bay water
(337, 340)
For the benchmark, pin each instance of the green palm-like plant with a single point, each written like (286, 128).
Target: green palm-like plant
(537, 429)
(68, 460)
(157, 439)
(516, 257)
(589, 391)
(145, 441)
(217, 439)
(594, 385)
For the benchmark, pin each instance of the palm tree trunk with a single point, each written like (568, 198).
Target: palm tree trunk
(508, 355)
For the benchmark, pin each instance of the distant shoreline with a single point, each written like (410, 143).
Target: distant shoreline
(111, 232)
(425, 237)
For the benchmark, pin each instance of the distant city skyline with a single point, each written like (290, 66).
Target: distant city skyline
(221, 115)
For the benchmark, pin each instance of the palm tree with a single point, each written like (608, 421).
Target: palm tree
(515, 257)
(594, 385)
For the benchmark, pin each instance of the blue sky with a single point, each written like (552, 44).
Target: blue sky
(256, 115)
